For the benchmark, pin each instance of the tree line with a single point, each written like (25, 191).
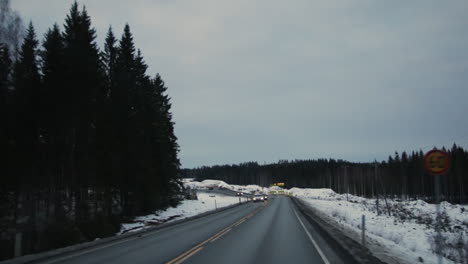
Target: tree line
(87, 138)
(400, 177)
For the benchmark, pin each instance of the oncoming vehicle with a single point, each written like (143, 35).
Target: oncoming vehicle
(239, 193)
(265, 197)
(258, 198)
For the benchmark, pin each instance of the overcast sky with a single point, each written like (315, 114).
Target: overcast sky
(301, 79)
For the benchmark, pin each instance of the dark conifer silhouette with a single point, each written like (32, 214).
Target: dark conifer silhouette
(87, 137)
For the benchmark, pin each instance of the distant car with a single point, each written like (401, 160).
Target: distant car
(239, 193)
(265, 197)
(257, 198)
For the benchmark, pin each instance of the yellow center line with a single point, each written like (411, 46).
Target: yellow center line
(199, 245)
(189, 255)
(220, 235)
(243, 220)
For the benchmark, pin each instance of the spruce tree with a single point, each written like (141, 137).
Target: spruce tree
(166, 144)
(123, 114)
(83, 75)
(104, 127)
(54, 117)
(54, 91)
(109, 57)
(27, 82)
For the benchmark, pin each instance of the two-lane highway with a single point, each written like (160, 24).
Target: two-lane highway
(270, 232)
(274, 235)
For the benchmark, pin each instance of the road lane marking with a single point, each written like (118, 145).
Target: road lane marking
(189, 255)
(188, 252)
(195, 248)
(324, 258)
(114, 243)
(220, 235)
(184, 256)
(243, 220)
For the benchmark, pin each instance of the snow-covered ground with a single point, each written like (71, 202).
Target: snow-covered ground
(206, 202)
(221, 184)
(406, 235)
(402, 232)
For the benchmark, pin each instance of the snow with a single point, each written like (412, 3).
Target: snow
(190, 208)
(407, 236)
(221, 184)
(206, 202)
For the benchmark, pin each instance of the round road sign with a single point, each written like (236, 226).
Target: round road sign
(437, 162)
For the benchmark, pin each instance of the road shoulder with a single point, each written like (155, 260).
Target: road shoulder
(351, 251)
(44, 256)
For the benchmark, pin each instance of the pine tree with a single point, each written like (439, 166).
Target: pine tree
(109, 57)
(90, 128)
(123, 110)
(27, 82)
(104, 126)
(54, 117)
(54, 92)
(84, 79)
(166, 146)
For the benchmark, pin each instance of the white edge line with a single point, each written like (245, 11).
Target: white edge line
(325, 260)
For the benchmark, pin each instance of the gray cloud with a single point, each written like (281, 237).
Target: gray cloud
(264, 80)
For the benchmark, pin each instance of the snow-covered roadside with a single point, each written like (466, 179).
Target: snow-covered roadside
(407, 236)
(206, 202)
(221, 184)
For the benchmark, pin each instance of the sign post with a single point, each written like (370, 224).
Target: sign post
(437, 163)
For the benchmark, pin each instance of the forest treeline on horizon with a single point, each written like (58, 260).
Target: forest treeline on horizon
(87, 138)
(401, 176)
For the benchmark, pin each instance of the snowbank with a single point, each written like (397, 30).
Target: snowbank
(221, 184)
(407, 234)
(206, 202)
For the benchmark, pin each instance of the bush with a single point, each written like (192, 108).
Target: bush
(190, 194)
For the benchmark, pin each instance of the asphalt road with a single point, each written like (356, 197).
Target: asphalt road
(271, 232)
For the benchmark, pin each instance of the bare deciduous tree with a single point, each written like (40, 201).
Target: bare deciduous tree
(11, 27)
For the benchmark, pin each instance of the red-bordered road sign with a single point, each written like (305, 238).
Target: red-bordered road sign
(437, 162)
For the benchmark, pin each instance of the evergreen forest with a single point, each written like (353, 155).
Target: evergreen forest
(401, 176)
(87, 138)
